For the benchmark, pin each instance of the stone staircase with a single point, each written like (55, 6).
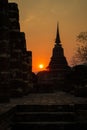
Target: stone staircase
(41, 117)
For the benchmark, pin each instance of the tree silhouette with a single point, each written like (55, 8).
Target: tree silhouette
(81, 52)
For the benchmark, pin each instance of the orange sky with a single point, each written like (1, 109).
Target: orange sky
(38, 19)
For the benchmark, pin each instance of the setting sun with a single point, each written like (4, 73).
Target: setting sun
(41, 66)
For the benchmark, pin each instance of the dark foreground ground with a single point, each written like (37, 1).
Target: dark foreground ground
(58, 98)
(54, 111)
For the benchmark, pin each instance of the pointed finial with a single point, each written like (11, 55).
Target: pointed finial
(57, 40)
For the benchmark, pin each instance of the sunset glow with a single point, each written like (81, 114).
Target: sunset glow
(41, 66)
(38, 19)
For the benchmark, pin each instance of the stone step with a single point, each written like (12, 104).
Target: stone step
(44, 125)
(53, 117)
(45, 116)
(45, 122)
(59, 113)
(45, 108)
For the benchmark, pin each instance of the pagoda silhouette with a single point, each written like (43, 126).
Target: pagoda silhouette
(58, 67)
(58, 61)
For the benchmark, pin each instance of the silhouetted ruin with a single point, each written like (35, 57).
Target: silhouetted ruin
(58, 67)
(15, 60)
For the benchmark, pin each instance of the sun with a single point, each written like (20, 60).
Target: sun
(41, 66)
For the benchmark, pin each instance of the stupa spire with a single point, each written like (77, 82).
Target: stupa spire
(57, 40)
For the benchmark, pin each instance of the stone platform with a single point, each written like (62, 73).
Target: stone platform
(58, 98)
